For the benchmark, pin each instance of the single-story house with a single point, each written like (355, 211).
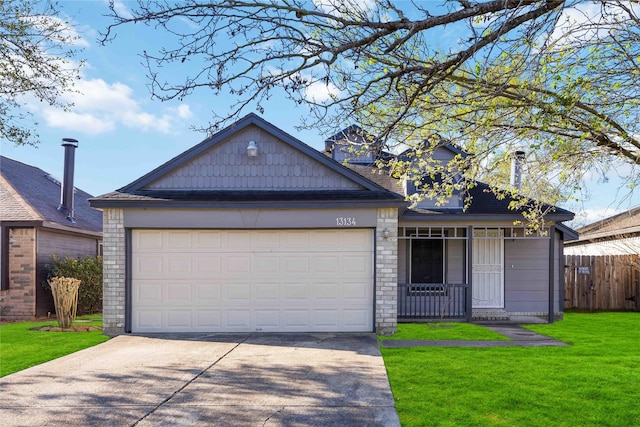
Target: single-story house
(37, 219)
(253, 230)
(616, 235)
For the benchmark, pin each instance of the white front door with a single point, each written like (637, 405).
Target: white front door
(488, 269)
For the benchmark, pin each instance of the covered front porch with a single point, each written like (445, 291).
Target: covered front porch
(475, 273)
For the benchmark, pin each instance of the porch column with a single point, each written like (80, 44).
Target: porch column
(114, 272)
(552, 255)
(386, 315)
(469, 300)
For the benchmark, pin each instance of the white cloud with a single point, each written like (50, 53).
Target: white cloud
(78, 122)
(184, 112)
(589, 216)
(100, 107)
(344, 7)
(121, 9)
(320, 92)
(590, 21)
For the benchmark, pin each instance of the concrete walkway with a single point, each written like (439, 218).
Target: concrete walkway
(519, 336)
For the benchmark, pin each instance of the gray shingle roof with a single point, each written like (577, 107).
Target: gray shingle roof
(28, 194)
(484, 202)
(622, 223)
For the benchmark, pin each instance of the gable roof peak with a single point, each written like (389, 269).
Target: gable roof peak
(226, 136)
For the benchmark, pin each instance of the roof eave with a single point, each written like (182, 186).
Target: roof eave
(177, 204)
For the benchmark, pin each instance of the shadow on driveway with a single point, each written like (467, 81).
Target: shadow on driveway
(293, 380)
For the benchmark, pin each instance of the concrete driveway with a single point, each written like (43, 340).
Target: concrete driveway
(264, 380)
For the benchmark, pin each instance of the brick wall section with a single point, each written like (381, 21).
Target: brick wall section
(19, 301)
(114, 259)
(387, 272)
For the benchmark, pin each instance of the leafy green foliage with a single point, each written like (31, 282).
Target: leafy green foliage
(36, 52)
(88, 270)
(557, 79)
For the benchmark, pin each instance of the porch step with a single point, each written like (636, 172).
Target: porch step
(489, 314)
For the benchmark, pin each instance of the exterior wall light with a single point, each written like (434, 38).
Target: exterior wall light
(252, 149)
(386, 234)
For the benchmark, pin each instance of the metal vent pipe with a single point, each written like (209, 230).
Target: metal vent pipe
(66, 189)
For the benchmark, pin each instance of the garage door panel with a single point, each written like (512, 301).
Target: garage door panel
(208, 240)
(238, 240)
(356, 318)
(267, 264)
(148, 266)
(296, 319)
(148, 319)
(236, 265)
(268, 320)
(178, 239)
(208, 319)
(243, 281)
(179, 294)
(207, 293)
(178, 319)
(148, 240)
(266, 292)
(355, 264)
(326, 291)
(207, 266)
(148, 293)
(239, 320)
(237, 291)
(329, 318)
(178, 266)
(295, 264)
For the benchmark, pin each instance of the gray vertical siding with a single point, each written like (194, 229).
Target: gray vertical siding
(526, 275)
(455, 261)
(403, 261)
(277, 167)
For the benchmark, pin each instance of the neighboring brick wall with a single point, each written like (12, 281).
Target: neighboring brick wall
(114, 271)
(387, 272)
(62, 245)
(19, 301)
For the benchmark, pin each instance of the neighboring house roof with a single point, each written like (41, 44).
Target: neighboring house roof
(615, 235)
(627, 222)
(30, 194)
(406, 154)
(145, 191)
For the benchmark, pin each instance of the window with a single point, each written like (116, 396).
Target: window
(427, 261)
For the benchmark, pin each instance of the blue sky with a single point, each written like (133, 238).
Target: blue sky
(124, 134)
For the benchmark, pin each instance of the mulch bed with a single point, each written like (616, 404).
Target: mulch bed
(74, 328)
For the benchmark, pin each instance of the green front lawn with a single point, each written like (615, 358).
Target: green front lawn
(594, 382)
(21, 347)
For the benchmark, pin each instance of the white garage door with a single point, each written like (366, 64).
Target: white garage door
(252, 280)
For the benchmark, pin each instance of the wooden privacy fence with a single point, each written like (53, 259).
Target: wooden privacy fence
(608, 282)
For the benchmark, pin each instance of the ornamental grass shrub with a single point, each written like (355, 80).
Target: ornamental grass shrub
(88, 270)
(65, 298)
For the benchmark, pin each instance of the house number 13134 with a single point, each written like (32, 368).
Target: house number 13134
(345, 222)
